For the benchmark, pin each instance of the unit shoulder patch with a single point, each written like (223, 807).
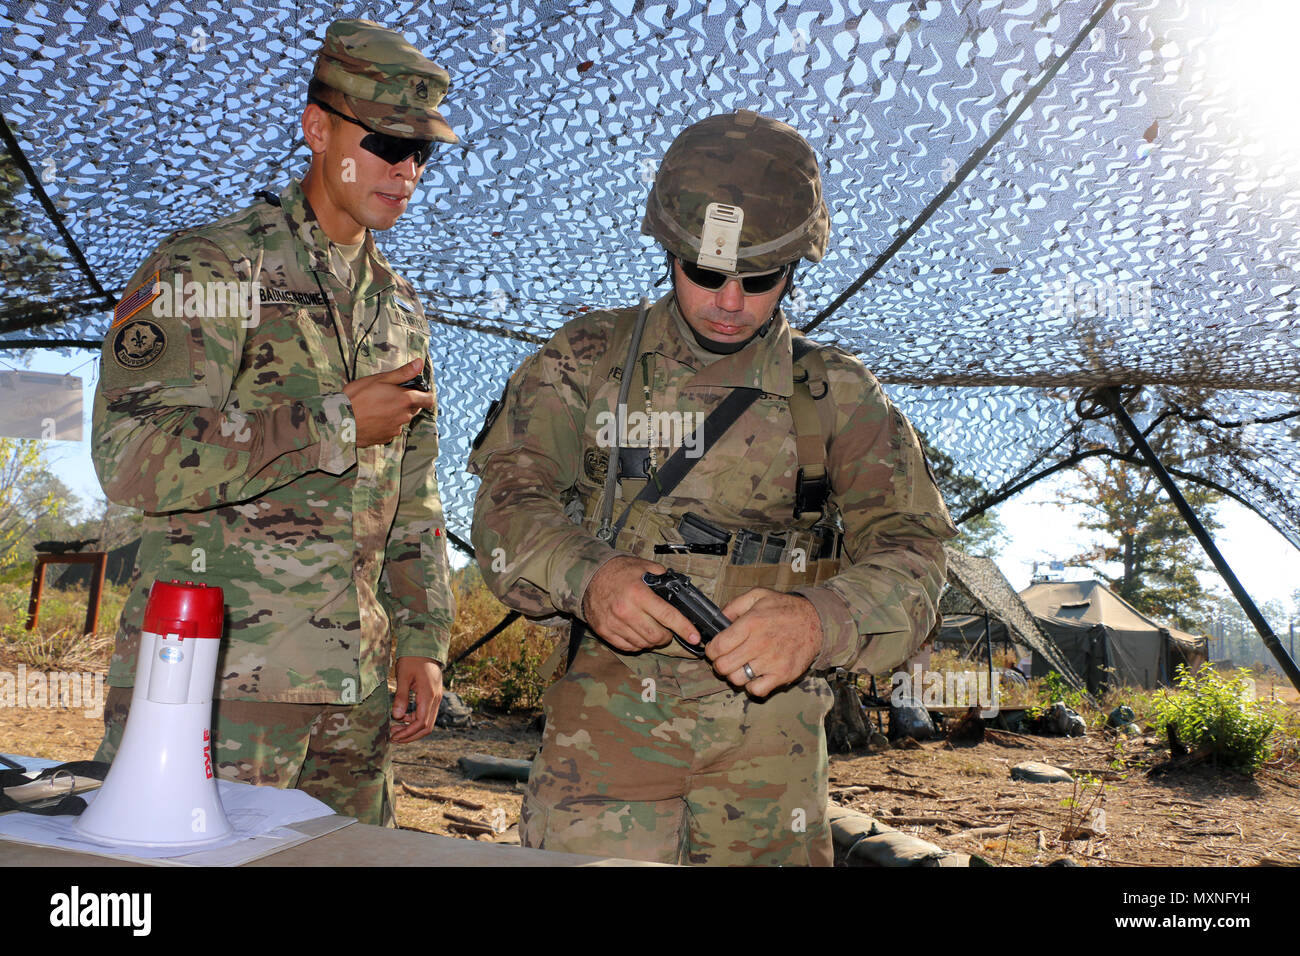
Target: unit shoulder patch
(139, 344)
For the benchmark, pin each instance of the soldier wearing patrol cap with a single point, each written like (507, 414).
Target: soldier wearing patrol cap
(264, 398)
(812, 521)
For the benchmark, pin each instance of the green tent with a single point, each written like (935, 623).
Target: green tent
(1105, 638)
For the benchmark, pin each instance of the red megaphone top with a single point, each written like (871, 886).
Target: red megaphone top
(189, 609)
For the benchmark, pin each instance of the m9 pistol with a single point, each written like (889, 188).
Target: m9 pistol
(703, 614)
(420, 382)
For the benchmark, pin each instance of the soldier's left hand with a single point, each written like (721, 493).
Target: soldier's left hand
(777, 635)
(424, 675)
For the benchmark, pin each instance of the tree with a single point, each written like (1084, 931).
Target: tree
(1233, 636)
(30, 497)
(1228, 628)
(113, 524)
(1145, 536)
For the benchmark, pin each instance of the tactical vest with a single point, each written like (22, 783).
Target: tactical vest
(725, 562)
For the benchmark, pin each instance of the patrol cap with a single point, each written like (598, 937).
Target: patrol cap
(745, 160)
(389, 84)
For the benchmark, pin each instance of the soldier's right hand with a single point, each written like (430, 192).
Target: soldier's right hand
(625, 613)
(382, 407)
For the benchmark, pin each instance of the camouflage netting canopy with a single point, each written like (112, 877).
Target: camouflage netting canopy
(976, 587)
(1137, 225)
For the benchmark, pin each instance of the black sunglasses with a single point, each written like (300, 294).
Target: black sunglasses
(391, 149)
(752, 284)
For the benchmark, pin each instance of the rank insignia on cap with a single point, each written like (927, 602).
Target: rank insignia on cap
(136, 300)
(422, 90)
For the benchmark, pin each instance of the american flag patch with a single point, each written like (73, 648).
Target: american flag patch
(136, 300)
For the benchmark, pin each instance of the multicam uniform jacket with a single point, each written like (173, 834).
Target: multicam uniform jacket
(220, 413)
(546, 453)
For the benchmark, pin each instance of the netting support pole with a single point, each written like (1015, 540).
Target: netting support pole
(1109, 396)
(988, 645)
(20, 160)
(459, 542)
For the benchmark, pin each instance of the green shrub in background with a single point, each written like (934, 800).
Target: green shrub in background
(1053, 687)
(503, 672)
(1056, 688)
(1215, 712)
(522, 687)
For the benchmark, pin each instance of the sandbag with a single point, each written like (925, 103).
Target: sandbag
(894, 849)
(487, 767)
(850, 826)
(454, 712)
(1064, 722)
(909, 718)
(872, 843)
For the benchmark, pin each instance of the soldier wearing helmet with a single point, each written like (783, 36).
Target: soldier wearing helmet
(264, 398)
(805, 510)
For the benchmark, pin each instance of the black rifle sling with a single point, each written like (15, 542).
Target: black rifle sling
(667, 478)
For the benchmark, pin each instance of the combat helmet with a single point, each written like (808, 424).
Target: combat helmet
(739, 161)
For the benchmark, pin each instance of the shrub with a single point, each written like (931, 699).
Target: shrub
(521, 687)
(504, 671)
(1053, 687)
(1212, 712)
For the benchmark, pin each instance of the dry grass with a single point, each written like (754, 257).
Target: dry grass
(57, 643)
(1011, 695)
(504, 672)
(1199, 815)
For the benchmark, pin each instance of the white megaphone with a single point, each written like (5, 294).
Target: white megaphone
(161, 790)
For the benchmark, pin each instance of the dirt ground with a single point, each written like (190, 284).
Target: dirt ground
(959, 797)
(963, 798)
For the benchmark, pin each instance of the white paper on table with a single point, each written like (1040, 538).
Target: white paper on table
(255, 813)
